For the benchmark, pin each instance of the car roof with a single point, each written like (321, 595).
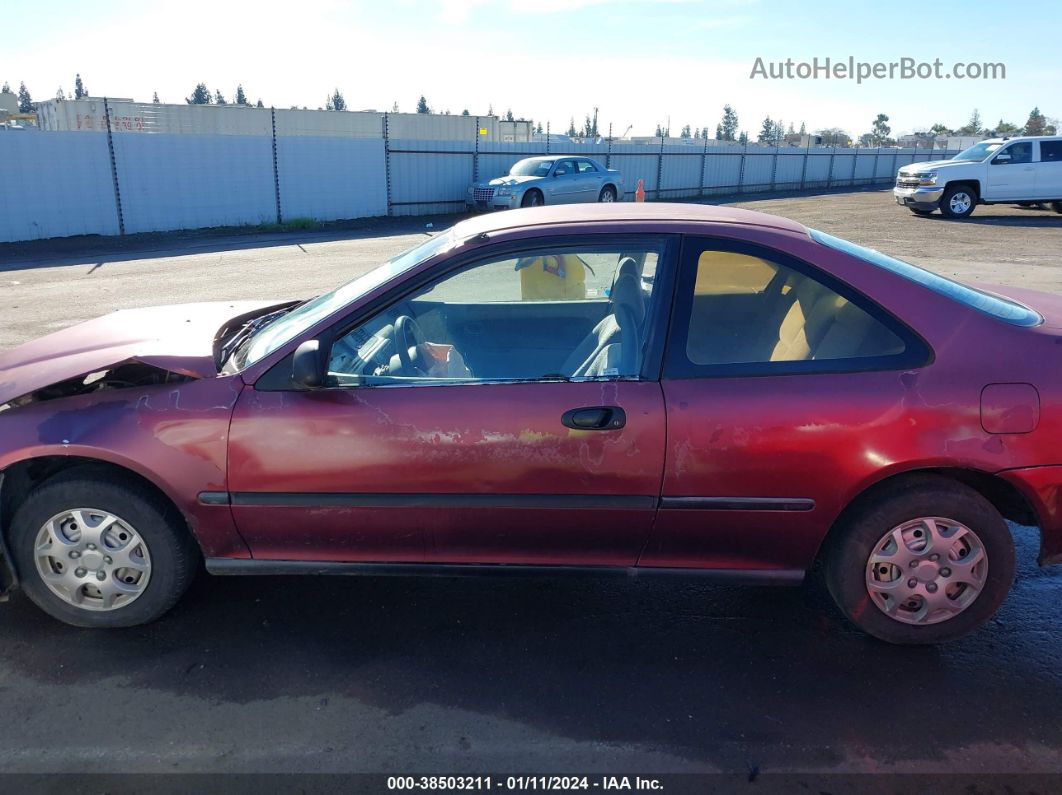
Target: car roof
(1007, 139)
(619, 212)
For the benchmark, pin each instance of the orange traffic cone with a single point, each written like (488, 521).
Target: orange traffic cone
(639, 192)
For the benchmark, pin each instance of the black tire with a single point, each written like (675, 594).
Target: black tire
(922, 213)
(1026, 204)
(953, 191)
(533, 198)
(609, 192)
(1056, 206)
(853, 541)
(174, 555)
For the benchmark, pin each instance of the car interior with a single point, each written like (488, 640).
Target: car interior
(550, 315)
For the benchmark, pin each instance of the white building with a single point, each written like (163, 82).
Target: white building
(128, 116)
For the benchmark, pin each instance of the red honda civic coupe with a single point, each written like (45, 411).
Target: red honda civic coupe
(648, 388)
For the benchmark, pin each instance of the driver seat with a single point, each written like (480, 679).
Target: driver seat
(601, 346)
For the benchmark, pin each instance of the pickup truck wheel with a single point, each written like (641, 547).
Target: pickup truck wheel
(920, 212)
(532, 198)
(958, 201)
(97, 551)
(925, 562)
(1056, 206)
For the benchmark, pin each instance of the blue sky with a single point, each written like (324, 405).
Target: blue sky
(639, 61)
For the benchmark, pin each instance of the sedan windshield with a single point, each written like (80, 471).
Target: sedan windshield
(281, 331)
(531, 168)
(977, 152)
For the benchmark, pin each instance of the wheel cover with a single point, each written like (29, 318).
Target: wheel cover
(92, 559)
(927, 570)
(960, 202)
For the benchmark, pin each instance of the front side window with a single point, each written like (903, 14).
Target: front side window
(567, 166)
(749, 310)
(543, 314)
(1015, 153)
(531, 168)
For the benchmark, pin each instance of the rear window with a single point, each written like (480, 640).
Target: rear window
(1000, 308)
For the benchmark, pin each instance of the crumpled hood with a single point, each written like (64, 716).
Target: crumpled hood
(178, 338)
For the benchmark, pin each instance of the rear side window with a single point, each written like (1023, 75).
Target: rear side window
(750, 310)
(1000, 308)
(1051, 151)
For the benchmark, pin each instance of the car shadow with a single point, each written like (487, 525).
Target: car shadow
(702, 672)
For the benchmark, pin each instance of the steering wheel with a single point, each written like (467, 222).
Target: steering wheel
(409, 335)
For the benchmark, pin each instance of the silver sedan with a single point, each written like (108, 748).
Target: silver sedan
(558, 179)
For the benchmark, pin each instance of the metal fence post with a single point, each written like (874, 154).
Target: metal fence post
(895, 155)
(741, 167)
(829, 171)
(804, 165)
(276, 171)
(774, 166)
(475, 154)
(855, 162)
(114, 167)
(704, 163)
(608, 157)
(877, 154)
(387, 158)
(547, 137)
(660, 168)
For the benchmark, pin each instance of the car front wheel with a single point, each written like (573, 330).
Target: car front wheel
(532, 199)
(927, 562)
(97, 551)
(1056, 206)
(958, 201)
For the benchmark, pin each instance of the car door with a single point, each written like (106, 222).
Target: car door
(1011, 172)
(1049, 171)
(590, 180)
(434, 445)
(562, 187)
(776, 381)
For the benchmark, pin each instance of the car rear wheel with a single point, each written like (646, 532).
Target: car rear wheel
(608, 194)
(93, 551)
(532, 198)
(927, 562)
(1056, 206)
(958, 201)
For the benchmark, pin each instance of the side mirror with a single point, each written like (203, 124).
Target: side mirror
(1000, 159)
(307, 366)
(560, 172)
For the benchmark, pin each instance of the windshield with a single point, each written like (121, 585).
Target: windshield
(305, 315)
(977, 152)
(1001, 308)
(531, 168)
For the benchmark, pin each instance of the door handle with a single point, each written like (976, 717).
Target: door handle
(595, 418)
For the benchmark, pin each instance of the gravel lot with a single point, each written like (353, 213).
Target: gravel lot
(487, 676)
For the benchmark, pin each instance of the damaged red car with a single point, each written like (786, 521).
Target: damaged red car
(647, 388)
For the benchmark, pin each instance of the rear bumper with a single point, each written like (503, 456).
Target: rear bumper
(1042, 487)
(918, 198)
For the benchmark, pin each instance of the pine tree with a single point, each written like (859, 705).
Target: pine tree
(6, 88)
(973, 126)
(803, 129)
(880, 129)
(25, 101)
(220, 98)
(743, 139)
(572, 132)
(538, 129)
(686, 132)
(509, 115)
(259, 104)
(60, 94)
(1036, 124)
(80, 92)
(766, 131)
(464, 112)
(422, 105)
(726, 130)
(200, 96)
(336, 101)
(241, 98)
(155, 98)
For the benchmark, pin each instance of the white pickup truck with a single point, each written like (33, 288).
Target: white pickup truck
(1025, 169)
